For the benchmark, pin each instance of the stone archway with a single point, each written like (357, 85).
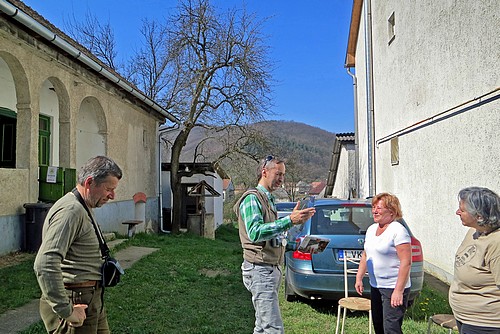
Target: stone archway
(55, 102)
(20, 98)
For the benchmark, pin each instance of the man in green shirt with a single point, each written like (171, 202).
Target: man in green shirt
(261, 235)
(68, 263)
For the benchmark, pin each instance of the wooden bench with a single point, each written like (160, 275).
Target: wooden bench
(131, 226)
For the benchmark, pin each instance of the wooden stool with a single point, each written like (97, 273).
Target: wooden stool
(444, 320)
(131, 226)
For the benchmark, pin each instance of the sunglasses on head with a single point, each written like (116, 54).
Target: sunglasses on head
(267, 160)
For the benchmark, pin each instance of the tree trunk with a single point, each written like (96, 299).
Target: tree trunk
(176, 178)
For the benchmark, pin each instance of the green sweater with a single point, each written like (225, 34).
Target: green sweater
(69, 253)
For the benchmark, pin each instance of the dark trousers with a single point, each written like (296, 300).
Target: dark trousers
(387, 319)
(95, 323)
(471, 329)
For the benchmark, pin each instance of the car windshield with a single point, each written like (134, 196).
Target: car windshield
(341, 220)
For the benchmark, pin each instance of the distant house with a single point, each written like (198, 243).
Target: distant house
(60, 106)
(302, 188)
(427, 88)
(227, 189)
(317, 188)
(342, 180)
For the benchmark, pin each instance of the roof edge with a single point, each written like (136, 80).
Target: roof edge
(350, 59)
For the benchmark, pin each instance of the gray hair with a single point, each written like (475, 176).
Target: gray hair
(482, 203)
(99, 168)
(269, 163)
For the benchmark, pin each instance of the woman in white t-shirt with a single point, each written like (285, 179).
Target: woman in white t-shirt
(387, 257)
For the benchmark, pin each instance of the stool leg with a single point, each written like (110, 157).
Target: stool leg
(343, 319)
(370, 321)
(338, 320)
(429, 325)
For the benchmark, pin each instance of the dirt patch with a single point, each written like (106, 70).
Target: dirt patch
(214, 273)
(15, 258)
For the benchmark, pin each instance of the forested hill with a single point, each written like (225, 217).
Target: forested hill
(309, 147)
(306, 149)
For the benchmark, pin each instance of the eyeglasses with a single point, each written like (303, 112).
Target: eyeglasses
(268, 159)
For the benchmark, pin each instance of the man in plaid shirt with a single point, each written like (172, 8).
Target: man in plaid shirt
(261, 235)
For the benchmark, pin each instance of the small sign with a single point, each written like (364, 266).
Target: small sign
(51, 174)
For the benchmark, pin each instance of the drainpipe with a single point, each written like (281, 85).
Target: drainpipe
(59, 42)
(369, 97)
(356, 136)
(160, 181)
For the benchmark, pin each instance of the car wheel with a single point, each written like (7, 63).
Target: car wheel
(290, 296)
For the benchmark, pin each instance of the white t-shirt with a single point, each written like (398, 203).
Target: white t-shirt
(382, 260)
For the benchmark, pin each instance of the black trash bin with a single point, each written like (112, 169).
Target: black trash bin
(33, 223)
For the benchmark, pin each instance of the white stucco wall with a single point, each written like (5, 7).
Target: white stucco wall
(344, 181)
(444, 54)
(7, 89)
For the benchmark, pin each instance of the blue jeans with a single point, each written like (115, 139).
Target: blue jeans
(387, 319)
(263, 281)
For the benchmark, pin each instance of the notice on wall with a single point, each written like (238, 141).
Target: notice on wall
(51, 174)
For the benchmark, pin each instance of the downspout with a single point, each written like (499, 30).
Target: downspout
(369, 97)
(356, 135)
(59, 42)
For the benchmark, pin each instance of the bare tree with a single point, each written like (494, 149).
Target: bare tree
(96, 37)
(149, 68)
(218, 77)
(208, 69)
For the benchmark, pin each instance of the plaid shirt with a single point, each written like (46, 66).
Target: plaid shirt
(251, 214)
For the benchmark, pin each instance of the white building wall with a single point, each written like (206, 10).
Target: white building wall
(49, 106)
(7, 87)
(344, 181)
(362, 118)
(444, 55)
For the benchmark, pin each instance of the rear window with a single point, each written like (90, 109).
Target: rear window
(341, 220)
(285, 206)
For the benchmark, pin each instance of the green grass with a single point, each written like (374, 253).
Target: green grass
(18, 285)
(193, 285)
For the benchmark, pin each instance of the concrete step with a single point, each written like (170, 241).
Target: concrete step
(113, 243)
(109, 236)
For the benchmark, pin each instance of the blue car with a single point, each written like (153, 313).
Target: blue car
(285, 208)
(321, 276)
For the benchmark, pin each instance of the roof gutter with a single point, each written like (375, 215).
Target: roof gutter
(61, 43)
(370, 97)
(356, 130)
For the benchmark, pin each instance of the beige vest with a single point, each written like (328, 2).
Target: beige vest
(259, 252)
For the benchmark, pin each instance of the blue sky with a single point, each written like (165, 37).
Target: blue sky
(308, 41)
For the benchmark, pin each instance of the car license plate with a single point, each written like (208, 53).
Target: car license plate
(351, 253)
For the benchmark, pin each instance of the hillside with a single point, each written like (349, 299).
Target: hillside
(309, 147)
(306, 149)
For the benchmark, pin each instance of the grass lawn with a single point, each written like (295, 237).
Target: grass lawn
(193, 285)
